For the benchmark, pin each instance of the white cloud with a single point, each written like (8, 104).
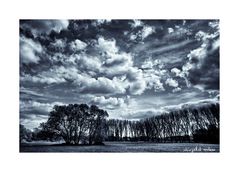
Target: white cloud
(183, 74)
(110, 73)
(147, 30)
(117, 64)
(107, 46)
(214, 24)
(133, 37)
(100, 85)
(77, 45)
(171, 82)
(110, 102)
(147, 64)
(153, 73)
(197, 56)
(170, 30)
(59, 43)
(137, 84)
(29, 50)
(177, 72)
(136, 23)
(143, 33)
(176, 89)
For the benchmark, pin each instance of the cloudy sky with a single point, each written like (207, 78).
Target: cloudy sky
(131, 68)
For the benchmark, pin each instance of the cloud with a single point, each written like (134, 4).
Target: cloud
(176, 89)
(182, 74)
(58, 45)
(171, 82)
(150, 112)
(37, 107)
(144, 32)
(107, 46)
(137, 84)
(33, 120)
(136, 23)
(170, 47)
(110, 102)
(110, 73)
(170, 30)
(77, 45)
(153, 73)
(44, 26)
(44, 78)
(177, 72)
(147, 30)
(84, 82)
(117, 64)
(29, 50)
(202, 67)
(100, 85)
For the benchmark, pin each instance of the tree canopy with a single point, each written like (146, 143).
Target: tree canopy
(77, 123)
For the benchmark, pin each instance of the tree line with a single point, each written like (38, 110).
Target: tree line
(185, 125)
(83, 124)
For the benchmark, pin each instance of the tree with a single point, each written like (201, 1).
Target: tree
(97, 125)
(75, 123)
(25, 134)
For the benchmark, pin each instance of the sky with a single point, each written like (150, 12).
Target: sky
(134, 69)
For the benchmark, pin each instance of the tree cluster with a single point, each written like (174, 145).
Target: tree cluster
(76, 124)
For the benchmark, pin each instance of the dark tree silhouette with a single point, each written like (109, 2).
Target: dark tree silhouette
(88, 125)
(190, 124)
(25, 134)
(77, 123)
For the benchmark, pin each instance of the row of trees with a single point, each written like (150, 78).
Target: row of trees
(88, 125)
(179, 125)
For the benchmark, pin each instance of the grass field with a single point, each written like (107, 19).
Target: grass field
(121, 147)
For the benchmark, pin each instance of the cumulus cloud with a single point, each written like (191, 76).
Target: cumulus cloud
(147, 30)
(29, 50)
(107, 46)
(110, 102)
(83, 81)
(176, 89)
(137, 83)
(177, 72)
(144, 32)
(77, 45)
(111, 73)
(171, 82)
(58, 45)
(153, 74)
(170, 30)
(182, 73)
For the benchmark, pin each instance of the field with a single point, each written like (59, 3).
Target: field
(121, 147)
